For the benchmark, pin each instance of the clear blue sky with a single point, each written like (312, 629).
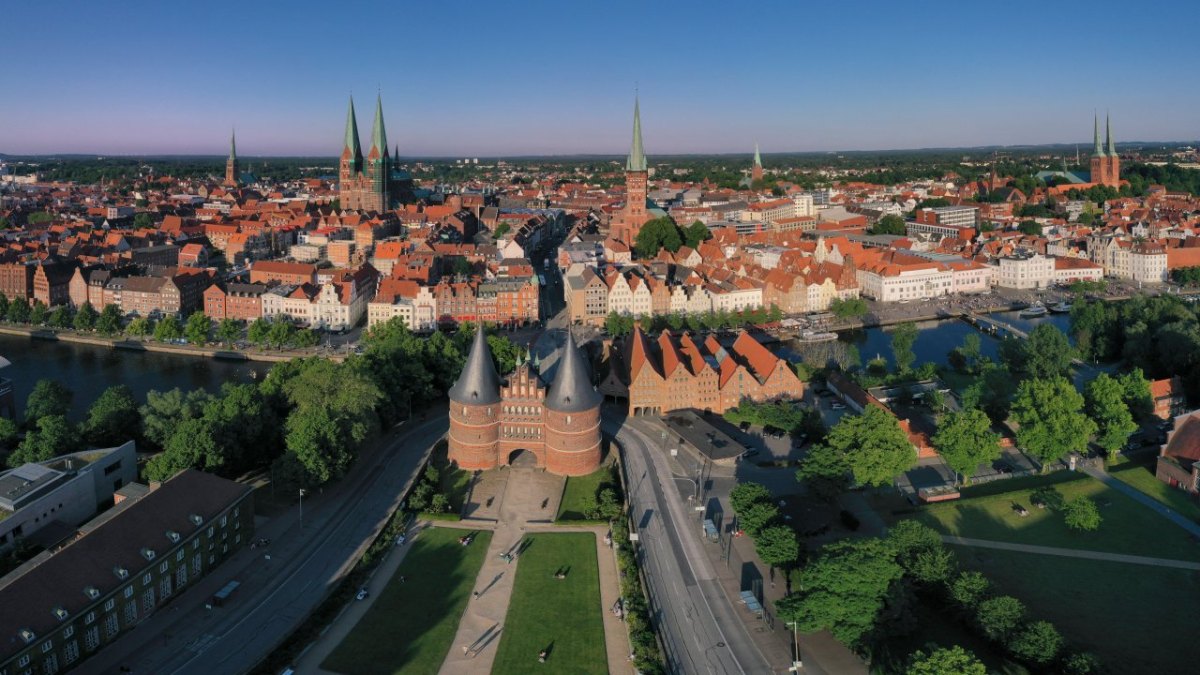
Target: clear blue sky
(557, 77)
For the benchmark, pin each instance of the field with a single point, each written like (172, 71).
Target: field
(411, 625)
(1141, 478)
(1128, 527)
(561, 616)
(1137, 619)
(579, 495)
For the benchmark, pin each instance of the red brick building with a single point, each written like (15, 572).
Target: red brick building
(266, 271)
(16, 280)
(628, 222)
(1179, 459)
(521, 420)
(242, 302)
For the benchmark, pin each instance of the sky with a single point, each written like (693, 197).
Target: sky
(527, 77)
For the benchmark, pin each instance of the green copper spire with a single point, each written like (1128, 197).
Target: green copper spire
(757, 159)
(1112, 146)
(378, 135)
(637, 157)
(1099, 150)
(233, 144)
(351, 143)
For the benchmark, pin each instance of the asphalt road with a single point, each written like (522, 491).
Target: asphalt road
(277, 594)
(700, 631)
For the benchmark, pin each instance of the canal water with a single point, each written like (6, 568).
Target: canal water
(88, 370)
(935, 339)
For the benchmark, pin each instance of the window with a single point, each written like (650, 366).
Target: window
(179, 555)
(164, 587)
(91, 638)
(71, 652)
(130, 613)
(147, 578)
(23, 661)
(148, 600)
(128, 592)
(90, 618)
(163, 567)
(180, 576)
(109, 604)
(195, 544)
(111, 626)
(68, 631)
(47, 646)
(196, 563)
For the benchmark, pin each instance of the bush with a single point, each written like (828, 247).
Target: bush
(999, 617)
(968, 589)
(1038, 643)
(1081, 514)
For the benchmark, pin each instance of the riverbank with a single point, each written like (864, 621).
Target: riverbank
(133, 345)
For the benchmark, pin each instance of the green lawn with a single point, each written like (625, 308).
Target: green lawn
(1141, 477)
(562, 616)
(1127, 527)
(1137, 619)
(579, 495)
(411, 625)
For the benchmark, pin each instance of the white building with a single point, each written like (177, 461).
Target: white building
(1024, 270)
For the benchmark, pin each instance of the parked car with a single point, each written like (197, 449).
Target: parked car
(362, 594)
(837, 406)
(749, 453)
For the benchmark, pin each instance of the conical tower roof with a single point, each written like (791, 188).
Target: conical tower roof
(637, 156)
(351, 143)
(378, 134)
(478, 384)
(757, 158)
(572, 389)
(233, 144)
(1098, 151)
(1112, 146)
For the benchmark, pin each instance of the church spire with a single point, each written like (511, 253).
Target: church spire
(378, 134)
(1112, 146)
(637, 157)
(233, 144)
(757, 158)
(351, 145)
(1099, 150)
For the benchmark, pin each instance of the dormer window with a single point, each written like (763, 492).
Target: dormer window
(196, 520)
(173, 536)
(92, 592)
(148, 553)
(27, 636)
(121, 572)
(60, 613)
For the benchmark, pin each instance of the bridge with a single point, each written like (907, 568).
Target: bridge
(988, 324)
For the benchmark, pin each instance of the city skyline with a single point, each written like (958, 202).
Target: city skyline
(792, 79)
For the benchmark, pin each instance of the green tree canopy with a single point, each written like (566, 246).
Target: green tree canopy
(874, 446)
(1106, 406)
(1037, 643)
(109, 321)
(113, 418)
(168, 329)
(968, 589)
(746, 493)
(38, 313)
(49, 397)
(1081, 514)
(848, 308)
(86, 317)
(139, 327)
(258, 331)
(965, 440)
(757, 516)
(946, 661)
(655, 234)
(696, 233)
(19, 311)
(777, 545)
(166, 410)
(197, 328)
(228, 331)
(1047, 353)
(1051, 418)
(1136, 392)
(1000, 616)
(904, 336)
(193, 444)
(52, 436)
(889, 224)
(825, 471)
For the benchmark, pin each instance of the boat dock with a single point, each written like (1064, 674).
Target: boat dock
(993, 326)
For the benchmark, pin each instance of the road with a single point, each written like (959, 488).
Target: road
(277, 594)
(699, 629)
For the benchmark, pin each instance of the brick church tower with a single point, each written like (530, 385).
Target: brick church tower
(365, 183)
(231, 164)
(633, 216)
(756, 171)
(1106, 164)
(493, 423)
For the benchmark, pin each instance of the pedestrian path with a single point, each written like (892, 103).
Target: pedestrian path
(1072, 553)
(482, 623)
(1141, 497)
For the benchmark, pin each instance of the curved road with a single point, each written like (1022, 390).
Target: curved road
(700, 631)
(277, 594)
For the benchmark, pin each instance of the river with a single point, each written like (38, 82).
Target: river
(935, 338)
(88, 370)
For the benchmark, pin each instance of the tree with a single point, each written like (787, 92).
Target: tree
(60, 317)
(1106, 406)
(307, 339)
(257, 332)
(315, 438)
(165, 410)
(19, 311)
(193, 445)
(1038, 643)
(946, 661)
(874, 446)
(1081, 514)
(85, 318)
(842, 590)
(889, 224)
(848, 308)
(1136, 392)
(143, 221)
(965, 440)
(113, 418)
(757, 516)
(280, 334)
(49, 397)
(826, 472)
(1047, 353)
(229, 330)
(109, 321)
(140, 327)
(37, 313)
(197, 328)
(168, 329)
(1081, 663)
(696, 233)
(998, 617)
(777, 545)
(746, 493)
(933, 566)
(9, 432)
(655, 234)
(1051, 419)
(618, 325)
(968, 589)
(920, 551)
(52, 436)
(904, 336)
(971, 351)
(1030, 227)
(991, 392)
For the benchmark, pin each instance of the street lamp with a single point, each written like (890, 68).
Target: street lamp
(302, 508)
(797, 663)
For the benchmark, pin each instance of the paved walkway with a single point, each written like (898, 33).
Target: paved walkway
(1072, 553)
(1145, 499)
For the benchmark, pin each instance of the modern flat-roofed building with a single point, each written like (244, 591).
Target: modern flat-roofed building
(119, 570)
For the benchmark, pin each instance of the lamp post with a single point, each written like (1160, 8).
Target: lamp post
(797, 663)
(301, 508)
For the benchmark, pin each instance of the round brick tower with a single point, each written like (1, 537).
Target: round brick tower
(475, 410)
(572, 417)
